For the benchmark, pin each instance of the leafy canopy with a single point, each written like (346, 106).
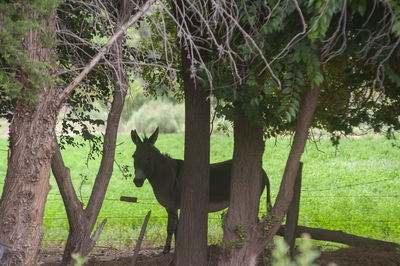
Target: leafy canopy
(21, 77)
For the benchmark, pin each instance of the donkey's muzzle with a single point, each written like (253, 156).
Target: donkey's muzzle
(138, 182)
(139, 177)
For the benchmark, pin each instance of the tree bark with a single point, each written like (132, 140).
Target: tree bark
(82, 221)
(261, 233)
(244, 202)
(191, 240)
(292, 216)
(191, 244)
(27, 179)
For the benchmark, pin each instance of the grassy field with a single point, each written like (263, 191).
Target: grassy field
(355, 188)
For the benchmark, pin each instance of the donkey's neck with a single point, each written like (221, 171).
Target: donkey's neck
(164, 175)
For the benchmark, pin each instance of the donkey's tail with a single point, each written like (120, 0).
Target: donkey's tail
(269, 205)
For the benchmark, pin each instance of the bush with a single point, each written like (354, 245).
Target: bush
(306, 256)
(169, 117)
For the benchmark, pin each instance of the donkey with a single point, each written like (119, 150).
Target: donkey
(163, 174)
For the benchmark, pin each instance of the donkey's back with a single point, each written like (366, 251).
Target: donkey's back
(220, 179)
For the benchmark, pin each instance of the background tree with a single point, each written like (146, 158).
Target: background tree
(34, 102)
(82, 220)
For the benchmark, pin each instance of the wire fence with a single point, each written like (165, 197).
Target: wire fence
(115, 235)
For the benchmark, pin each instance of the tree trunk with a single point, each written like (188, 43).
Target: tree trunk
(191, 244)
(261, 233)
(79, 237)
(82, 221)
(242, 215)
(27, 179)
(191, 241)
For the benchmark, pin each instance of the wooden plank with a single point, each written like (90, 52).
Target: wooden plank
(128, 199)
(292, 216)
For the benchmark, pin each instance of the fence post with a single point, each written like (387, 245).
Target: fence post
(139, 241)
(292, 216)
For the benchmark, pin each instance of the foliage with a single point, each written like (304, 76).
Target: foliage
(306, 256)
(357, 92)
(20, 75)
(263, 55)
(155, 41)
(79, 260)
(84, 28)
(228, 246)
(266, 93)
(79, 34)
(79, 122)
(256, 70)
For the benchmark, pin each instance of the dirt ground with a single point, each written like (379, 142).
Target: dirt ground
(154, 257)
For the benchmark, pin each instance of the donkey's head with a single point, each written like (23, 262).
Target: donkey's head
(143, 156)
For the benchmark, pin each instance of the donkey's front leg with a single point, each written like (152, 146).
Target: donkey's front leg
(171, 228)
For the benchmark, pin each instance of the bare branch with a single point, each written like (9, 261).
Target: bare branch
(105, 49)
(327, 53)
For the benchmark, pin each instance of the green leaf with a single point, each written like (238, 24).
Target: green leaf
(288, 75)
(292, 111)
(396, 28)
(362, 7)
(267, 90)
(287, 90)
(317, 79)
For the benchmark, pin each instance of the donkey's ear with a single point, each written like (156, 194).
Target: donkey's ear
(154, 136)
(135, 137)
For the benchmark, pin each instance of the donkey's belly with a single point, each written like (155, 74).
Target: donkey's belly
(217, 206)
(167, 201)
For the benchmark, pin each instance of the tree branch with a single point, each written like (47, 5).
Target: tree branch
(285, 193)
(340, 237)
(65, 93)
(63, 178)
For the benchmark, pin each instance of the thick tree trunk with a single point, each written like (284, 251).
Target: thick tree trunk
(245, 185)
(83, 221)
(27, 179)
(261, 233)
(191, 241)
(191, 244)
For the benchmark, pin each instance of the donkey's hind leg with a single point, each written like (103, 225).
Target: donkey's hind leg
(171, 228)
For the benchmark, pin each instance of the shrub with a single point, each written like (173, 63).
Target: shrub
(169, 117)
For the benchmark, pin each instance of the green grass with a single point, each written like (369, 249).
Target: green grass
(355, 188)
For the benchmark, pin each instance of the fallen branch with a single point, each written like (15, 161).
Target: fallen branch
(340, 237)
